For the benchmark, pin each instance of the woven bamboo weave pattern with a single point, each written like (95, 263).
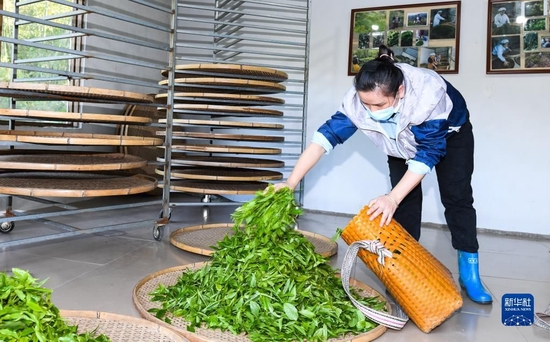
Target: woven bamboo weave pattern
(200, 239)
(225, 161)
(69, 116)
(226, 149)
(120, 328)
(39, 160)
(225, 85)
(222, 99)
(169, 277)
(421, 284)
(224, 110)
(223, 136)
(229, 70)
(213, 188)
(65, 138)
(73, 184)
(73, 92)
(222, 174)
(221, 123)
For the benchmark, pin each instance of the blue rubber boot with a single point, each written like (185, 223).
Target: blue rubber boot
(469, 280)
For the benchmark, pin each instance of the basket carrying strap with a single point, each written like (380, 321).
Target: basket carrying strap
(376, 247)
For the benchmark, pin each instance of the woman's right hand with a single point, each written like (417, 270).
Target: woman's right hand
(281, 185)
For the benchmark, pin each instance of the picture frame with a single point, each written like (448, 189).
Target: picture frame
(518, 37)
(423, 35)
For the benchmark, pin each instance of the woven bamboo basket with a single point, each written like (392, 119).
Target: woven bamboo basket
(120, 328)
(168, 277)
(422, 285)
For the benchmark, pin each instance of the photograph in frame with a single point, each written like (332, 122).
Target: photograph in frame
(410, 32)
(518, 37)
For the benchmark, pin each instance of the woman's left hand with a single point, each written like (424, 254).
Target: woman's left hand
(384, 205)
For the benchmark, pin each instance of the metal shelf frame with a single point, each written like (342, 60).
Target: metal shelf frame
(272, 34)
(138, 63)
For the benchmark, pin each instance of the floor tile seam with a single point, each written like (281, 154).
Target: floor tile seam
(491, 314)
(542, 282)
(128, 253)
(134, 238)
(79, 276)
(508, 253)
(523, 335)
(57, 258)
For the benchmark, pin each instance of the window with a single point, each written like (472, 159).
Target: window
(46, 52)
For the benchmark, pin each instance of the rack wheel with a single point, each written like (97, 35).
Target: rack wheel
(161, 214)
(158, 232)
(6, 227)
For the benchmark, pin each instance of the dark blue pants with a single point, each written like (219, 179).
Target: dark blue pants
(454, 176)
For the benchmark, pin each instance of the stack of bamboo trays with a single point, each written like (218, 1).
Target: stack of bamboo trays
(212, 105)
(48, 162)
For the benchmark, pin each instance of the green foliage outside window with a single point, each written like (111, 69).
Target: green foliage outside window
(34, 30)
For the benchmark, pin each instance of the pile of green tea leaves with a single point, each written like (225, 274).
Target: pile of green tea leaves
(28, 315)
(266, 280)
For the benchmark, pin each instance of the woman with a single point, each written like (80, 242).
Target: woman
(420, 121)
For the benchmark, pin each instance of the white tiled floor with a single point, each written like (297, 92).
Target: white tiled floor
(98, 271)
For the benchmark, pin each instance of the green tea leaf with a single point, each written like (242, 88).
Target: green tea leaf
(266, 280)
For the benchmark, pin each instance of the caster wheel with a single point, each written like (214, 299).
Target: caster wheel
(161, 214)
(6, 227)
(158, 232)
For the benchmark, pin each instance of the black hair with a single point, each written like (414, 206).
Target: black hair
(381, 73)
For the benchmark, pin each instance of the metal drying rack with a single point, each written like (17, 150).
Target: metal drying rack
(93, 66)
(270, 34)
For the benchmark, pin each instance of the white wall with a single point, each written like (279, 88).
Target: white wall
(511, 125)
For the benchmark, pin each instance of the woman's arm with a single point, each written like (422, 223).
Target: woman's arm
(311, 155)
(386, 205)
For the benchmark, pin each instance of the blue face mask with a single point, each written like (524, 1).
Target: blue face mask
(383, 114)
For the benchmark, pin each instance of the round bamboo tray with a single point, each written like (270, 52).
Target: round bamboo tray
(43, 160)
(222, 99)
(225, 149)
(65, 138)
(225, 85)
(224, 110)
(200, 239)
(169, 277)
(224, 136)
(229, 70)
(225, 161)
(73, 184)
(119, 328)
(222, 174)
(34, 90)
(224, 124)
(149, 153)
(82, 117)
(216, 188)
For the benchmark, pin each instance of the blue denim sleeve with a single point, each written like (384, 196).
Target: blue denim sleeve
(337, 129)
(431, 141)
